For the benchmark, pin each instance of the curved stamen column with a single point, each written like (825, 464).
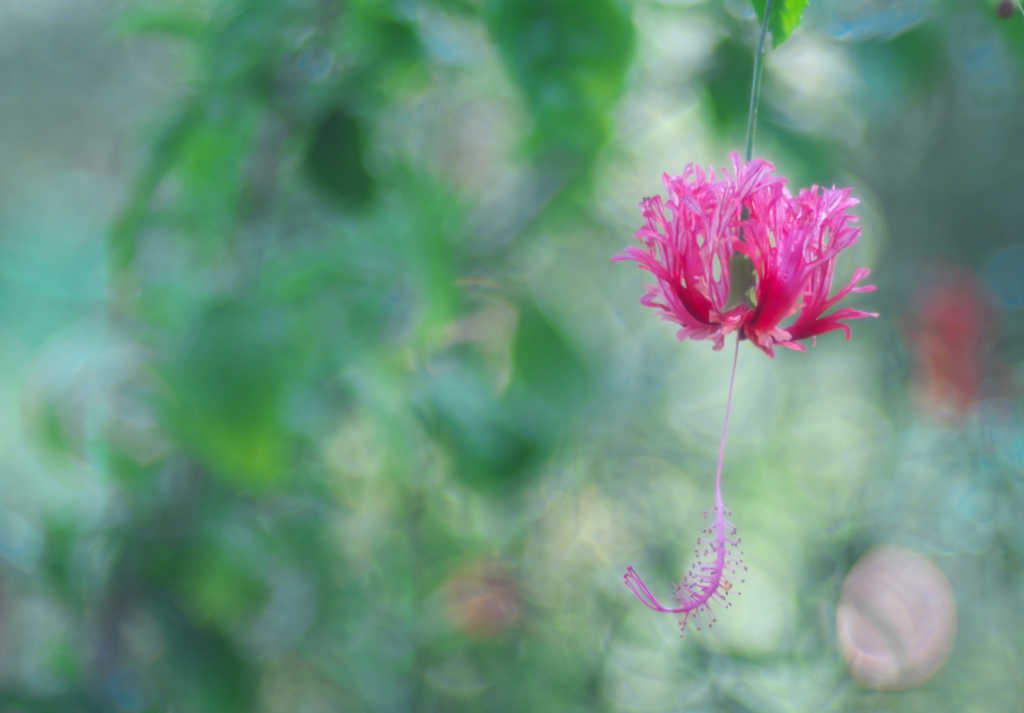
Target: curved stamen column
(712, 575)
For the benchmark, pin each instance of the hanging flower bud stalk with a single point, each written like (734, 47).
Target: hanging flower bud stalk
(740, 254)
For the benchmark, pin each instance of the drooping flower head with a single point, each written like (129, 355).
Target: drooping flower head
(690, 239)
(740, 254)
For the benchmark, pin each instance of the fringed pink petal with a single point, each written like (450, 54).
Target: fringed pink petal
(682, 251)
(793, 242)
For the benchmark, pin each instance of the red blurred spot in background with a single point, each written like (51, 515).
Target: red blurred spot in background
(482, 599)
(954, 321)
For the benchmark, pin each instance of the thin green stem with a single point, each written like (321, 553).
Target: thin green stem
(755, 89)
(740, 262)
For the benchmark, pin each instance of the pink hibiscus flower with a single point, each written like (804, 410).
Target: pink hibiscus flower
(689, 243)
(781, 251)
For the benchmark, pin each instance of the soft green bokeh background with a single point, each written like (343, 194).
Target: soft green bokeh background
(321, 393)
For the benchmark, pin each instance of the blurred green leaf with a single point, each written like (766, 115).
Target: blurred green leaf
(490, 446)
(64, 660)
(229, 389)
(248, 40)
(222, 586)
(434, 248)
(727, 82)
(212, 165)
(58, 556)
(547, 362)
(921, 54)
(393, 37)
(122, 239)
(185, 23)
(383, 47)
(909, 67)
(209, 674)
(50, 429)
(462, 7)
(334, 159)
(915, 62)
(570, 58)
(498, 440)
(813, 160)
(785, 17)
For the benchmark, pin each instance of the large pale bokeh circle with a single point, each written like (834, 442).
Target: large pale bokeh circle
(896, 621)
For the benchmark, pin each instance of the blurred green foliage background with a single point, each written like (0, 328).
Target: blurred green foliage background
(320, 392)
